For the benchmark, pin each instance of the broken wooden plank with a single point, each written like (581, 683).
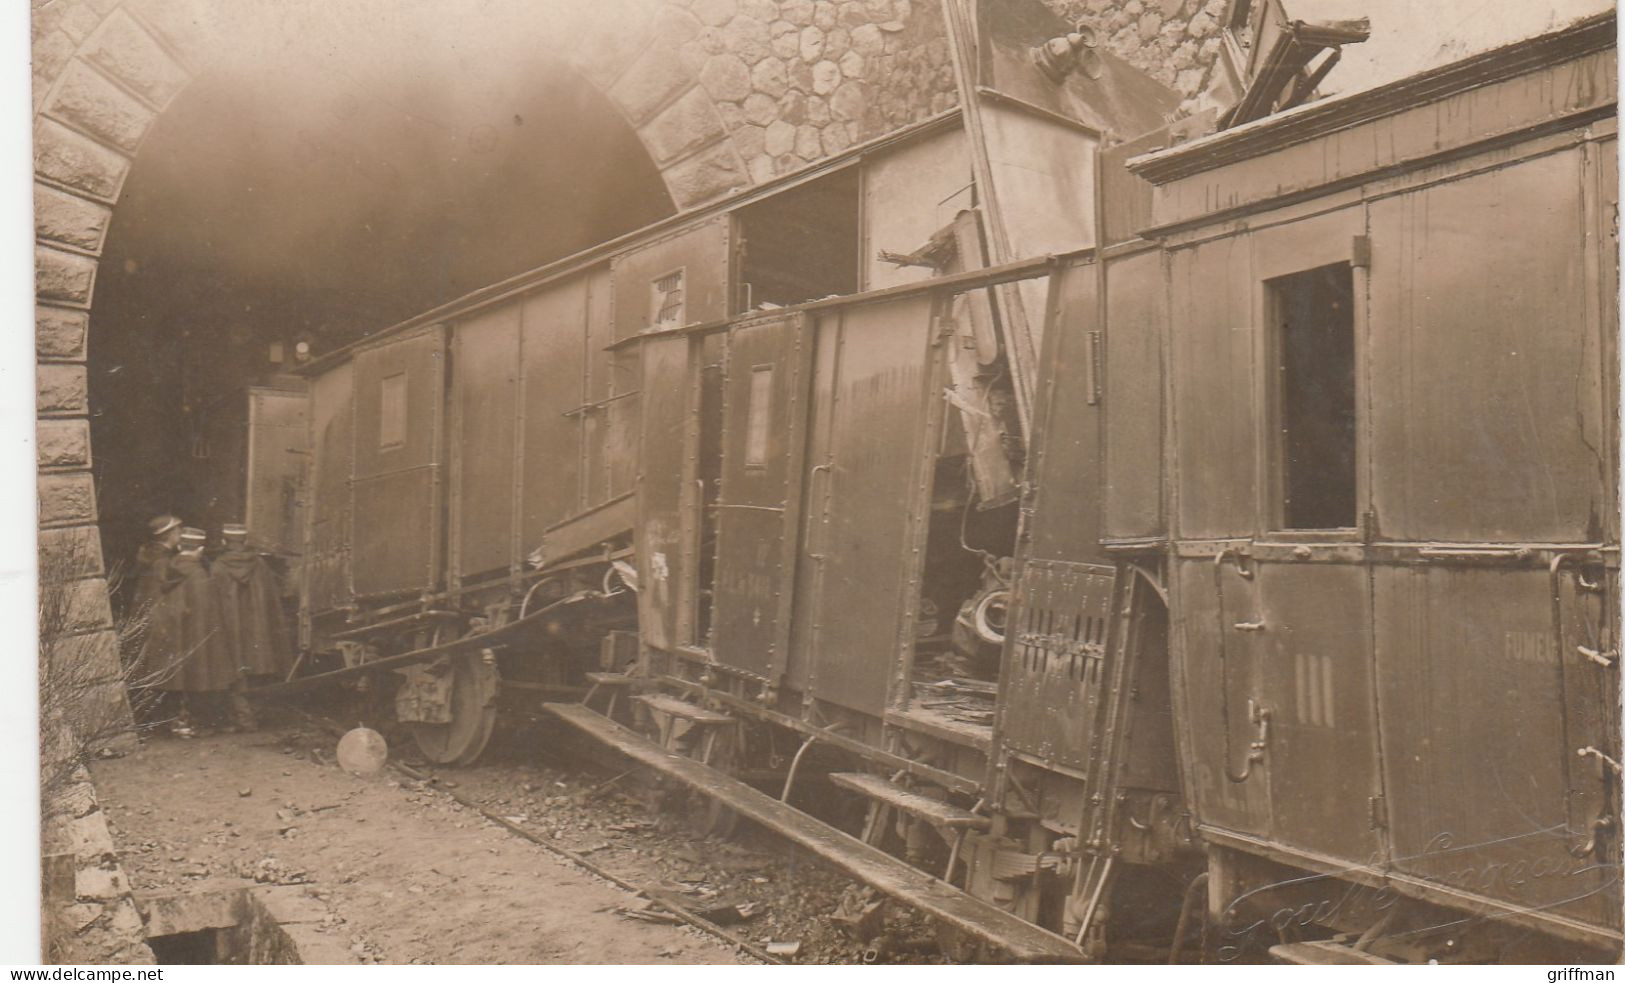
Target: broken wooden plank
(661, 703)
(933, 811)
(1020, 939)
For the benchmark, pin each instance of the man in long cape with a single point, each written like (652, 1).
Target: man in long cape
(186, 650)
(251, 613)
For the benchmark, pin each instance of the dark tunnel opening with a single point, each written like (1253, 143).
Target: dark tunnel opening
(303, 206)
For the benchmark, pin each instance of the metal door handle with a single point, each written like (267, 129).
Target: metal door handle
(1591, 752)
(1604, 659)
(1599, 826)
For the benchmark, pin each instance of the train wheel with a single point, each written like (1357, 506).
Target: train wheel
(473, 713)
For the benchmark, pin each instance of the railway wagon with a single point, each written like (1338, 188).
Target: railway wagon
(1389, 519)
(477, 476)
(1078, 551)
(1308, 618)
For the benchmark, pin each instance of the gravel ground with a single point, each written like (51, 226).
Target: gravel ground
(409, 874)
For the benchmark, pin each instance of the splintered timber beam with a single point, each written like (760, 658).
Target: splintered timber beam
(1021, 940)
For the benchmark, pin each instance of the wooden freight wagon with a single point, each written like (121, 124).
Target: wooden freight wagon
(1390, 509)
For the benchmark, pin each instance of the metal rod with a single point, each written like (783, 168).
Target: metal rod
(795, 763)
(392, 623)
(596, 404)
(485, 640)
(1094, 901)
(1184, 923)
(953, 857)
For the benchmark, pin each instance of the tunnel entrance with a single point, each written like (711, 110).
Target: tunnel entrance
(288, 208)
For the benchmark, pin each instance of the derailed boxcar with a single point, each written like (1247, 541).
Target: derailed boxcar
(1296, 594)
(1392, 507)
(1079, 543)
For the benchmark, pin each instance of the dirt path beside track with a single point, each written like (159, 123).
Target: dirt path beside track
(406, 874)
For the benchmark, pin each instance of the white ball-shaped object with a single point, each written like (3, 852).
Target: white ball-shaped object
(363, 751)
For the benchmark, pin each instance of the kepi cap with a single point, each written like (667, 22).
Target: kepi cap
(192, 536)
(234, 530)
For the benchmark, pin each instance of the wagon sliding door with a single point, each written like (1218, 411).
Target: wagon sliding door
(873, 455)
(763, 436)
(396, 488)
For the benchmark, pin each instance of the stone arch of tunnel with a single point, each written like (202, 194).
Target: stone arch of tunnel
(721, 94)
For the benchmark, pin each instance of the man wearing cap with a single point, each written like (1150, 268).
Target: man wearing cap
(251, 612)
(186, 651)
(152, 559)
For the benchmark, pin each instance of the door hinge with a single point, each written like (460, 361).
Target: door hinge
(1379, 812)
(1093, 367)
(1360, 253)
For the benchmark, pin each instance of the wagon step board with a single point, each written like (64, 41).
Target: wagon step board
(670, 705)
(1325, 954)
(1022, 940)
(931, 810)
(610, 679)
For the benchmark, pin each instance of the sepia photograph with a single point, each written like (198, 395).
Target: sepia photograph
(823, 482)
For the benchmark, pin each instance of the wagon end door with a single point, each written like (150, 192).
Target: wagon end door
(764, 414)
(274, 506)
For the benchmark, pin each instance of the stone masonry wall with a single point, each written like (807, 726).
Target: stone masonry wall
(798, 80)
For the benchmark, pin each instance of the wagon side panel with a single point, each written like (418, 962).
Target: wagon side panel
(327, 551)
(1134, 397)
(396, 493)
(1470, 688)
(1487, 417)
(1211, 361)
(485, 389)
(557, 367)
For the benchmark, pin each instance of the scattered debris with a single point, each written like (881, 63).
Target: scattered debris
(647, 914)
(731, 914)
(860, 914)
(270, 870)
(784, 948)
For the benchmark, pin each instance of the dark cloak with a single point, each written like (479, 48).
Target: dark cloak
(251, 611)
(186, 647)
(152, 565)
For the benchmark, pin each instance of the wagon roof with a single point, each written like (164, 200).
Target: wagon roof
(1318, 119)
